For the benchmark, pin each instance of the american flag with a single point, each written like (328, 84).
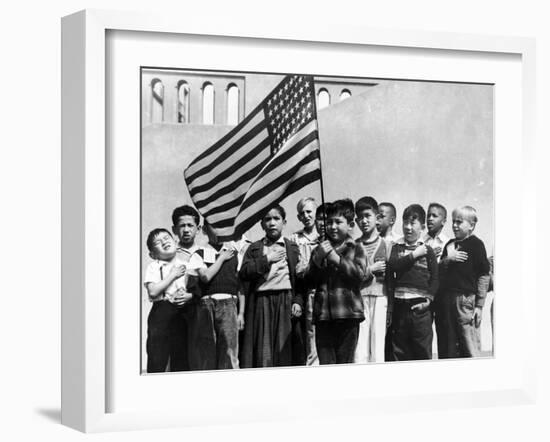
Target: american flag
(271, 154)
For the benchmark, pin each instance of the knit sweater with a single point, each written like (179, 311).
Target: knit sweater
(375, 250)
(464, 277)
(414, 275)
(224, 281)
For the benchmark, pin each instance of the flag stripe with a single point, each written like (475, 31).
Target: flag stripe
(309, 175)
(224, 140)
(193, 173)
(236, 187)
(264, 187)
(267, 186)
(258, 155)
(259, 184)
(225, 194)
(288, 152)
(295, 186)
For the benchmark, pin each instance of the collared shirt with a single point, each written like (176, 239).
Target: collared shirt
(278, 277)
(158, 270)
(190, 258)
(306, 243)
(391, 239)
(240, 246)
(438, 241)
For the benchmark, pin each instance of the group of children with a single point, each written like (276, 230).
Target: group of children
(319, 296)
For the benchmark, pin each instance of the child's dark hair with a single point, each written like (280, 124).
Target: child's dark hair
(343, 207)
(276, 207)
(415, 211)
(390, 205)
(153, 235)
(366, 203)
(321, 209)
(185, 210)
(439, 207)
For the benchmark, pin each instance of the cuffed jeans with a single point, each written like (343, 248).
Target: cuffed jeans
(457, 335)
(214, 335)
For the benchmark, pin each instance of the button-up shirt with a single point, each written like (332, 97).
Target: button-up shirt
(438, 241)
(278, 277)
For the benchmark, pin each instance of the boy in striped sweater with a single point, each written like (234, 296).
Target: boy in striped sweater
(372, 331)
(414, 270)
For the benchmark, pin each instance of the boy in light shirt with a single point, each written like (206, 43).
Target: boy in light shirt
(372, 331)
(165, 281)
(307, 239)
(435, 221)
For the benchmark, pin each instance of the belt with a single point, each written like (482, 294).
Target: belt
(219, 296)
(410, 301)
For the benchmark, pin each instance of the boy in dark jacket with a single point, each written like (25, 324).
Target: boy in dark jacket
(413, 268)
(336, 269)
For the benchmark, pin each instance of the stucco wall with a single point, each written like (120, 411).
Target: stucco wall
(402, 142)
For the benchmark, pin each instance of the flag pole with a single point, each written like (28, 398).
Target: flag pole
(320, 162)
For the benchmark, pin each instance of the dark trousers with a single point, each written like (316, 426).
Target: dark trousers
(214, 335)
(167, 338)
(298, 340)
(411, 331)
(336, 341)
(457, 335)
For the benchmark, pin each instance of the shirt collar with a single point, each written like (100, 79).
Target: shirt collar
(268, 242)
(370, 241)
(313, 236)
(401, 240)
(188, 251)
(440, 236)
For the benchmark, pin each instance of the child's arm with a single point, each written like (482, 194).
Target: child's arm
(353, 264)
(207, 273)
(483, 269)
(253, 268)
(156, 289)
(405, 262)
(240, 314)
(450, 254)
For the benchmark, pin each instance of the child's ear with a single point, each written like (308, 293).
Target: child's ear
(351, 224)
(152, 255)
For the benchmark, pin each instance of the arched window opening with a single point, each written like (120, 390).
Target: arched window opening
(323, 99)
(157, 101)
(208, 103)
(183, 102)
(345, 94)
(232, 105)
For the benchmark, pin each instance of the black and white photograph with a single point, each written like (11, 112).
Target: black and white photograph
(294, 219)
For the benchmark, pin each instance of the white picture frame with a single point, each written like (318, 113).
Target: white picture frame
(86, 213)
